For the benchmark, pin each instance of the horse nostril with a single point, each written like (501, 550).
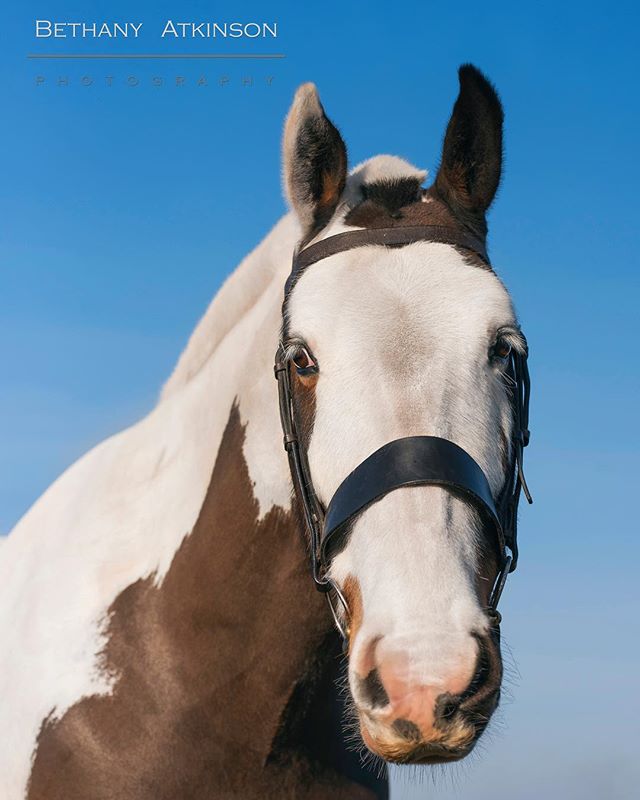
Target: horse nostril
(372, 691)
(446, 707)
(479, 689)
(481, 675)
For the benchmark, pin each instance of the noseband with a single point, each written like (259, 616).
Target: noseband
(410, 461)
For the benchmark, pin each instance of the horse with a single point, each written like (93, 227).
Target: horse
(161, 634)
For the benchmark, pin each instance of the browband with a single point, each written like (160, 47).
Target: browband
(411, 461)
(386, 237)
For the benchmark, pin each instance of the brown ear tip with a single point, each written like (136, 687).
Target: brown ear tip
(470, 75)
(475, 82)
(469, 71)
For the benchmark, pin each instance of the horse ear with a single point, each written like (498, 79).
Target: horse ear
(471, 163)
(314, 161)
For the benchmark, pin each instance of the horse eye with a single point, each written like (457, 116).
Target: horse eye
(303, 362)
(501, 350)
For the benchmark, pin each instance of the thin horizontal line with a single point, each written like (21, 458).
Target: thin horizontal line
(154, 55)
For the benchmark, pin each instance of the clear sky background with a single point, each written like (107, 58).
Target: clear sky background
(123, 208)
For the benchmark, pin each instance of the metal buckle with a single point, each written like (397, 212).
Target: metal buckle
(343, 630)
(498, 586)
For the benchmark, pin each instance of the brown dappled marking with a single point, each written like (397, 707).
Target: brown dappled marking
(206, 664)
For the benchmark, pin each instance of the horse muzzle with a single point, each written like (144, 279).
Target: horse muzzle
(405, 721)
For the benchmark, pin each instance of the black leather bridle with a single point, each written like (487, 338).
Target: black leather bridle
(410, 461)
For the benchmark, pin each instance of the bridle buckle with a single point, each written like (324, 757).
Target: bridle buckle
(498, 586)
(343, 630)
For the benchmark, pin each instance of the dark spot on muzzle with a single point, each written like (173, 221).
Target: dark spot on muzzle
(408, 730)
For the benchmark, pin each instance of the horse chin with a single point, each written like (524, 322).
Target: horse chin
(394, 745)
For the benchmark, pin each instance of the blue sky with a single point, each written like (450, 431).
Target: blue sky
(124, 207)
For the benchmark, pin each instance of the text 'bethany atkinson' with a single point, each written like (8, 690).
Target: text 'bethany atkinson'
(46, 28)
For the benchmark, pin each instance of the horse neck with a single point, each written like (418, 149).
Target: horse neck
(216, 645)
(243, 574)
(224, 655)
(246, 563)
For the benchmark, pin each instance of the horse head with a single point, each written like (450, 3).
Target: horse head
(383, 344)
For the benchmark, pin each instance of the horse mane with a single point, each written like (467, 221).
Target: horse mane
(235, 298)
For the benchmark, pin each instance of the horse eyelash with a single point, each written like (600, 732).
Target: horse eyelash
(292, 346)
(513, 336)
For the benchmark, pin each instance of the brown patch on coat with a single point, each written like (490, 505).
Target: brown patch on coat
(353, 596)
(374, 212)
(429, 209)
(206, 665)
(304, 403)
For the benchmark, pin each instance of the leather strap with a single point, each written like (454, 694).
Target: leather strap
(386, 237)
(411, 461)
